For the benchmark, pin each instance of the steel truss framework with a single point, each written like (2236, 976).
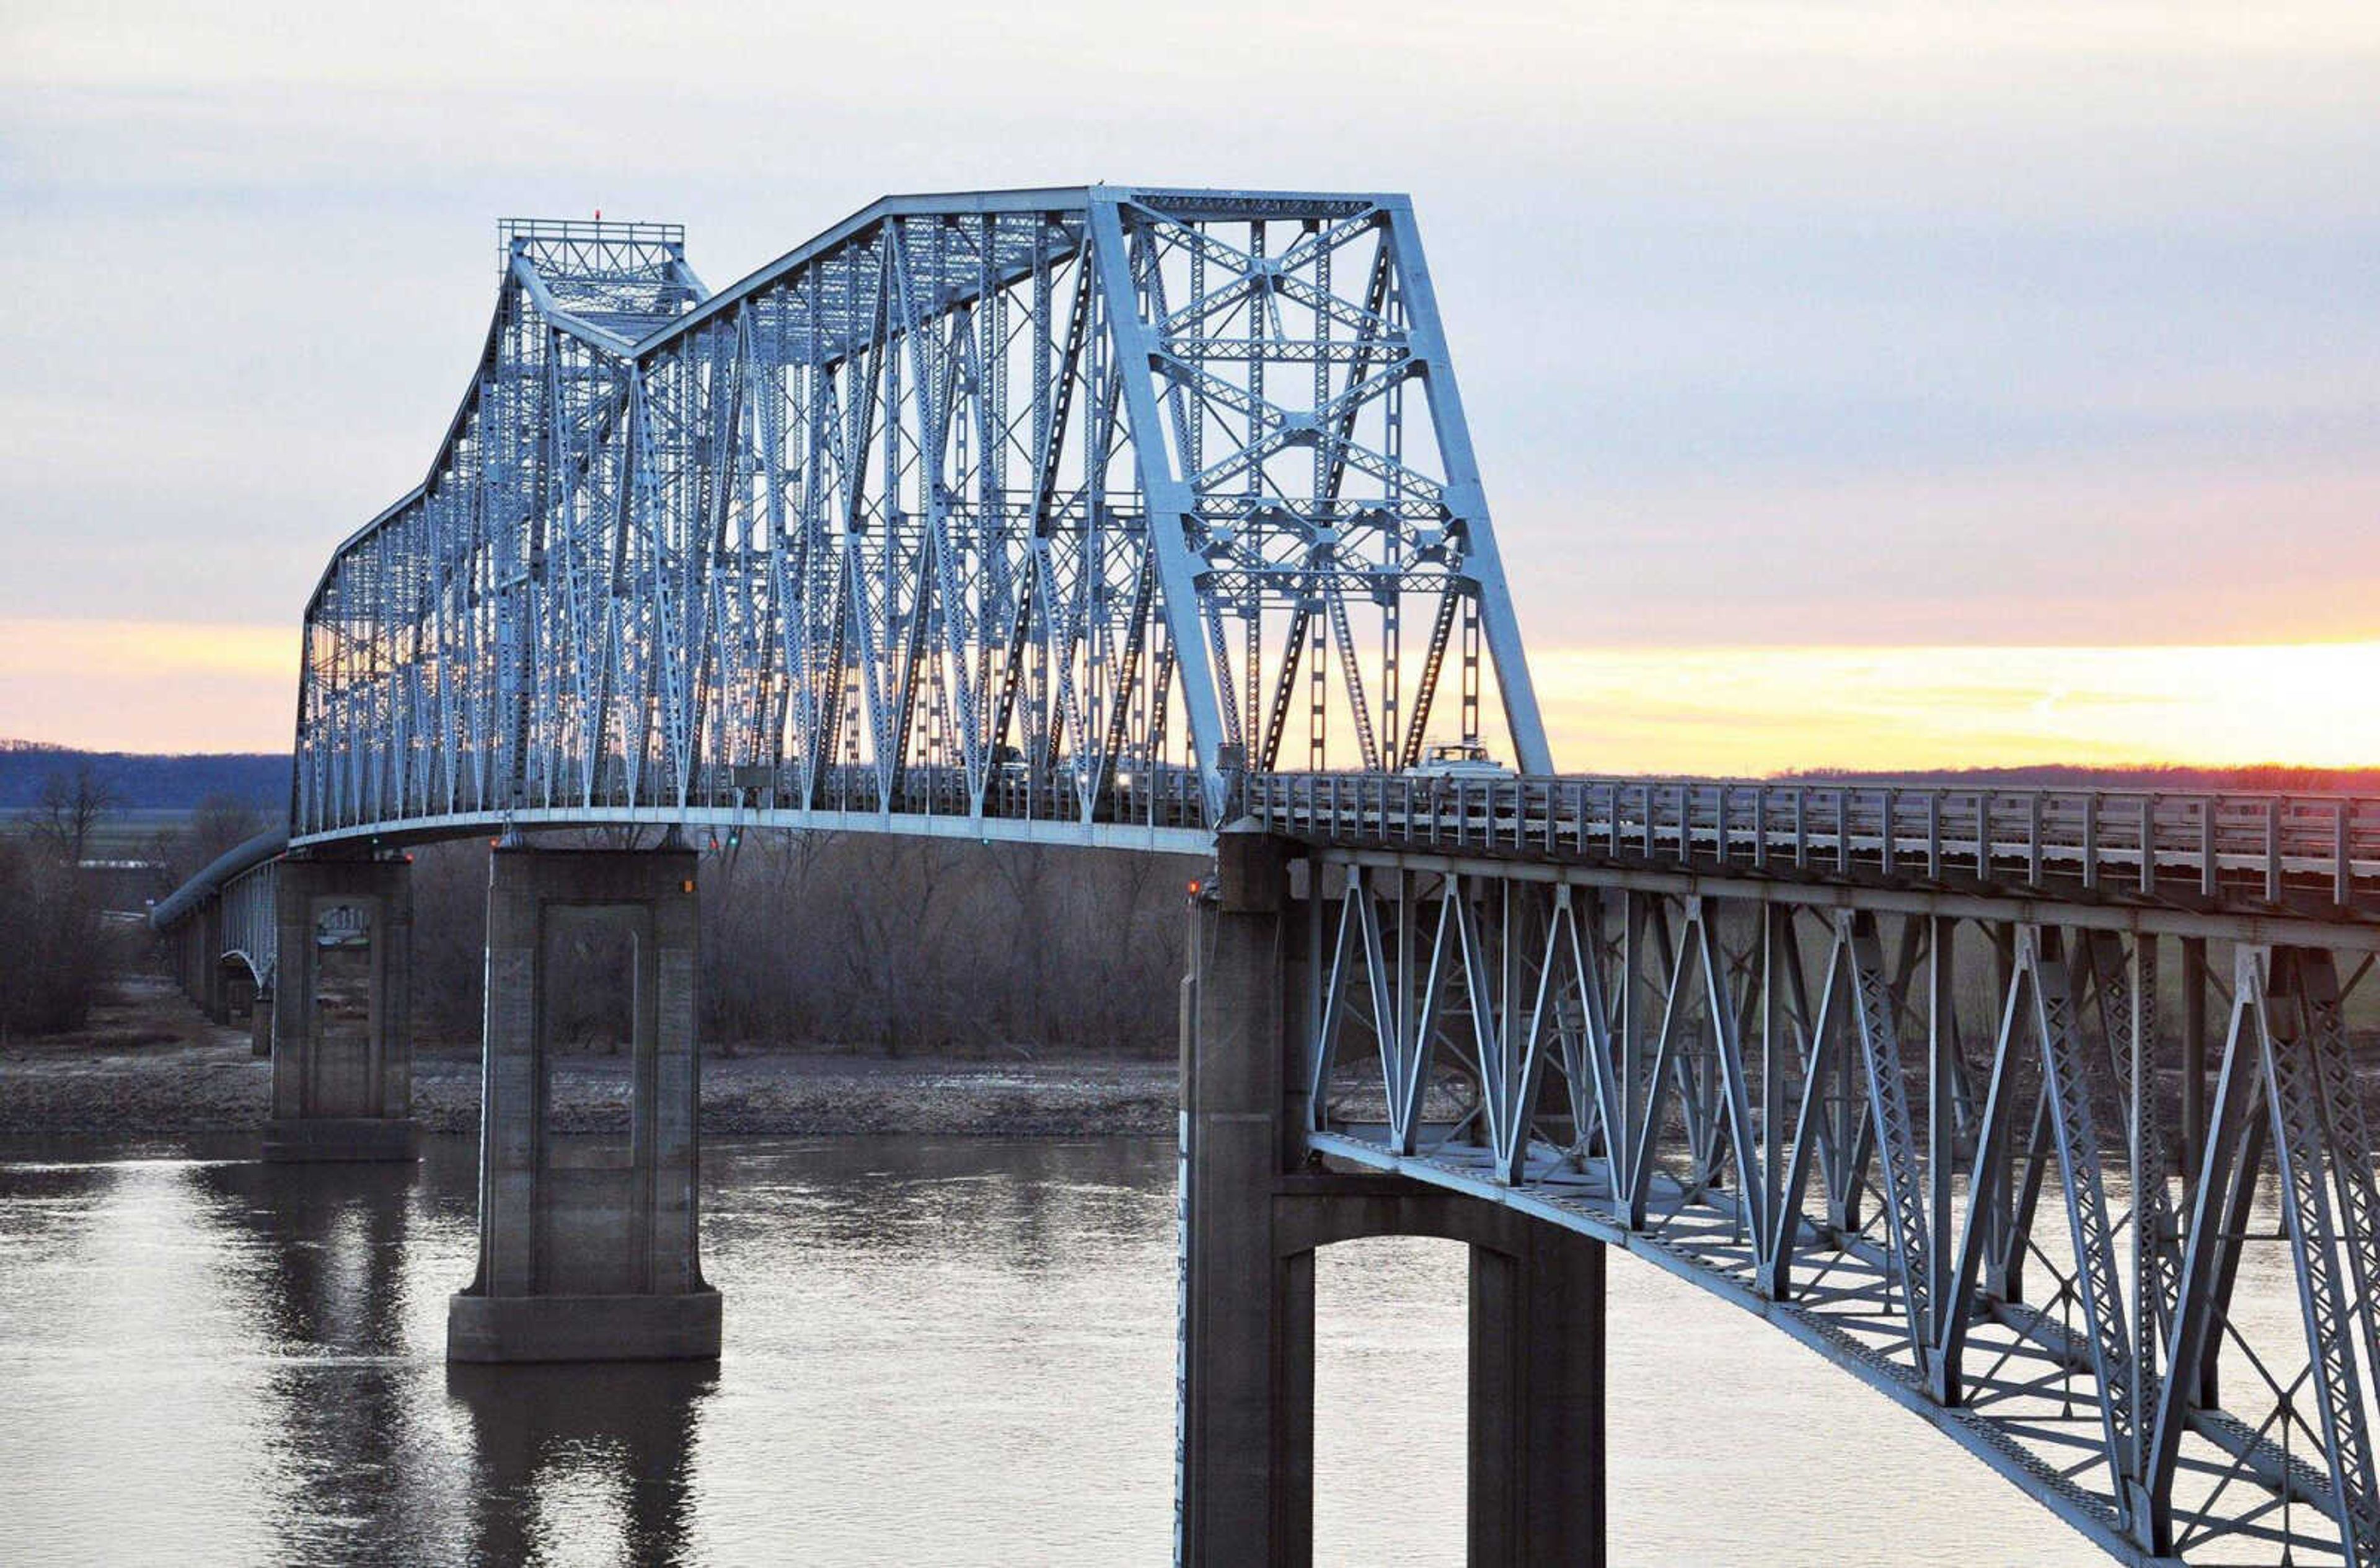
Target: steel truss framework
(1046, 515)
(1051, 505)
(1955, 1152)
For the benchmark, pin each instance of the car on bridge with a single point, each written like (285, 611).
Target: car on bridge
(1458, 762)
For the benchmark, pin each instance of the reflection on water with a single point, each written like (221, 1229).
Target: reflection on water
(582, 1463)
(937, 1352)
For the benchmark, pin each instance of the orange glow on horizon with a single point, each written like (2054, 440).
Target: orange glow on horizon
(185, 686)
(1758, 710)
(148, 686)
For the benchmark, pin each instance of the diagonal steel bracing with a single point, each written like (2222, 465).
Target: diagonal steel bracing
(1704, 1079)
(992, 507)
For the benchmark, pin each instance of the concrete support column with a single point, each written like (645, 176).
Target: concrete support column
(241, 995)
(213, 990)
(1253, 1217)
(1246, 1423)
(260, 1026)
(1537, 1401)
(587, 1251)
(341, 1025)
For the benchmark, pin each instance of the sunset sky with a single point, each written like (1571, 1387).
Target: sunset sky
(1862, 384)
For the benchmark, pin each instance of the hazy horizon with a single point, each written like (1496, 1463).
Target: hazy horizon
(21, 746)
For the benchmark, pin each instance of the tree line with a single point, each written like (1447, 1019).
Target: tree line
(59, 945)
(816, 939)
(882, 943)
(53, 952)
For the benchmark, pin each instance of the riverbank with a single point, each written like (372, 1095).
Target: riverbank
(148, 1064)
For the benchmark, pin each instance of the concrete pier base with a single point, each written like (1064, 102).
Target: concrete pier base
(588, 1249)
(341, 1138)
(1253, 1218)
(584, 1327)
(340, 1021)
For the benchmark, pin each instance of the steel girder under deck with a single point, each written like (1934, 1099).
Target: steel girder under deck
(1953, 1152)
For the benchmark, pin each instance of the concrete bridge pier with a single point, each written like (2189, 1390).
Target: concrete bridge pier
(341, 1027)
(588, 1249)
(205, 981)
(1253, 1215)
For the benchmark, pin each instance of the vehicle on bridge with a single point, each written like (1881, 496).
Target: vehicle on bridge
(1458, 760)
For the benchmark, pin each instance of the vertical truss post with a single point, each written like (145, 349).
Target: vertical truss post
(1776, 1052)
(1888, 1104)
(2193, 1057)
(2067, 1089)
(1942, 1069)
(2348, 1127)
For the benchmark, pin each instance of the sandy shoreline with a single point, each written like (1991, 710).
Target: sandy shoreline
(149, 1065)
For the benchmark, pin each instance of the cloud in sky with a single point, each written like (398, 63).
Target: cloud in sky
(1795, 323)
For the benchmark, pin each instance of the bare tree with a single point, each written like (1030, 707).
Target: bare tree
(53, 952)
(913, 946)
(222, 822)
(71, 809)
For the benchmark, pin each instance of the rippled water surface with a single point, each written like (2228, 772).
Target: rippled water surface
(937, 1351)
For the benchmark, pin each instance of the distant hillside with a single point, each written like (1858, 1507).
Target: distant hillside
(2267, 777)
(140, 781)
(262, 778)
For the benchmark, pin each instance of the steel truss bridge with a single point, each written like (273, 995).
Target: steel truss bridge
(1119, 517)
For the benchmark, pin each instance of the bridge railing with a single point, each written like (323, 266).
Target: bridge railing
(251, 931)
(223, 916)
(1166, 796)
(2299, 850)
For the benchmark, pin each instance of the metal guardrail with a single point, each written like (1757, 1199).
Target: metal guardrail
(216, 875)
(1163, 796)
(2194, 848)
(251, 931)
(1168, 796)
(2273, 849)
(239, 886)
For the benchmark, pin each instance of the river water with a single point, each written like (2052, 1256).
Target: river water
(937, 1352)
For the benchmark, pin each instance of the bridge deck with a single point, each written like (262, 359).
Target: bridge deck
(2257, 855)
(2316, 856)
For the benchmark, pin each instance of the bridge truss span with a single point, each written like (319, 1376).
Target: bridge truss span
(991, 505)
(1953, 1150)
